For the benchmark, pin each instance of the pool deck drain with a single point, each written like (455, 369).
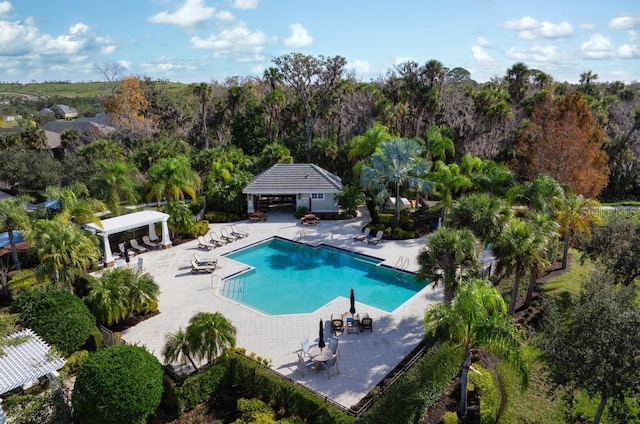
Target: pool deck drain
(365, 358)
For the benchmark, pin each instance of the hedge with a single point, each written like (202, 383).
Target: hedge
(411, 396)
(489, 393)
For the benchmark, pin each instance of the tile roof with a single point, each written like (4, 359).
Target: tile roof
(293, 179)
(26, 361)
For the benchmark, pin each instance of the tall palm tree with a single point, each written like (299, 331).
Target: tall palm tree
(74, 205)
(203, 91)
(438, 144)
(178, 349)
(515, 249)
(574, 216)
(449, 254)
(544, 248)
(172, 178)
(540, 195)
(115, 183)
(449, 180)
(64, 250)
(482, 213)
(477, 319)
(517, 79)
(587, 77)
(397, 164)
(14, 216)
(181, 219)
(209, 335)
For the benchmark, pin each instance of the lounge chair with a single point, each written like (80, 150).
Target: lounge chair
(363, 236)
(203, 244)
(225, 236)
(208, 261)
(366, 323)
(331, 363)
(377, 239)
(304, 364)
(152, 244)
(130, 252)
(337, 324)
(134, 244)
(196, 267)
(216, 240)
(237, 233)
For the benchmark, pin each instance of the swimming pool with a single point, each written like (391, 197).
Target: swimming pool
(292, 278)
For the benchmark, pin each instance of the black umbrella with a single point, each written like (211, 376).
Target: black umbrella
(353, 303)
(321, 342)
(126, 252)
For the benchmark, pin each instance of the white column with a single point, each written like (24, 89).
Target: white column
(250, 203)
(166, 241)
(152, 232)
(108, 258)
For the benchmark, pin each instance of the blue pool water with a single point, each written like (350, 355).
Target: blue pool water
(291, 278)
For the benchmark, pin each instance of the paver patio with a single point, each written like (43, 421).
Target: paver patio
(365, 358)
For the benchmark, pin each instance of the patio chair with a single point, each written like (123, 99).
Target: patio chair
(203, 244)
(305, 349)
(196, 267)
(366, 323)
(331, 363)
(337, 324)
(377, 239)
(363, 236)
(208, 261)
(216, 240)
(134, 244)
(225, 236)
(237, 233)
(138, 267)
(303, 364)
(152, 244)
(333, 346)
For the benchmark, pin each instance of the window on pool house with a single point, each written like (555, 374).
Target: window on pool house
(317, 195)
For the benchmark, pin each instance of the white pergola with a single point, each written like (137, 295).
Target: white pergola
(127, 222)
(24, 361)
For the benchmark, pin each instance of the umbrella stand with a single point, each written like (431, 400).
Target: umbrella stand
(353, 303)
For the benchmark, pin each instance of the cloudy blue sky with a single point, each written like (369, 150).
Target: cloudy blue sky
(205, 40)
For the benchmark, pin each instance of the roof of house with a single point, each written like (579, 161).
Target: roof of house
(26, 361)
(293, 179)
(127, 222)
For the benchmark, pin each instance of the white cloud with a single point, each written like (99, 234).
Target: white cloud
(598, 47)
(108, 49)
(359, 67)
(79, 28)
(540, 54)
(224, 16)
(245, 4)
(398, 60)
(238, 42)
(187, 15)
(480, 55)
(483, 42)
(299, 37)
(530, 29)
(625, 22)
(5, 7)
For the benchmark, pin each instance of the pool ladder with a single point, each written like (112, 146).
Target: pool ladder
(401, 265)
(233, 289)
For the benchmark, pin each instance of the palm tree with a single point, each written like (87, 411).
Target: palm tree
(209, 335)
(181, 219)
(574, 216)
(517, 79)
(141, 293)
(540, 195)
(14, 216)
(64, 250)
(515, 249)
(448, 179)
(544, 249)
(114, 183)
(449, 254)
(203, 92)
(438, 144)
(178, 349)
(74, 205)
(482, 213)
(477, 319)
(397, 164)
(588, 76)
(172, 178)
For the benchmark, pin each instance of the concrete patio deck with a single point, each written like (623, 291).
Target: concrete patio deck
(365, 358)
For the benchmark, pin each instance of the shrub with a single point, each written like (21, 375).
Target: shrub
(95, 340)
(488, 392)
(201, 228)
(302, 211)
(120, 384)
(58, 316)
(450, 418)
(75, 360)
(217, 216)
(200, 387)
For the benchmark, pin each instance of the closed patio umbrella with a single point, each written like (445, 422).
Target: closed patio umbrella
(321, 342)
(126, 253)
(353, 303)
